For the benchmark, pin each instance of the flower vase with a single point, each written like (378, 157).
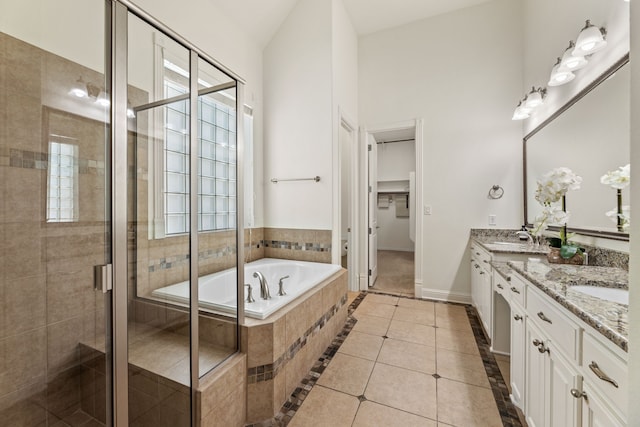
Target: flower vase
(554, 257)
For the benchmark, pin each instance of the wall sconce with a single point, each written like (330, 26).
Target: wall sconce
(535, 98)
(521, 112)
(591, 39)
(560, 75)
(571, 62)
(81, 89)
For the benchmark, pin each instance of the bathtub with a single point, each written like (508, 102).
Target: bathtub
(217, 292)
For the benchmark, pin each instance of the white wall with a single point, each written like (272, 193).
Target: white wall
(634, 271)
(548, 27)
(457, 71)
(218, 35)
(396, 160)
(298, 119)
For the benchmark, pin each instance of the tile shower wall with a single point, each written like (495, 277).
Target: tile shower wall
(48, 305)
(296, 244)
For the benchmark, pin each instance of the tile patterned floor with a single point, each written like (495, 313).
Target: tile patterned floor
(403, 362)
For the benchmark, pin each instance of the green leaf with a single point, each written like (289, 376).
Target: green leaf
(567, 251)
(554, 242)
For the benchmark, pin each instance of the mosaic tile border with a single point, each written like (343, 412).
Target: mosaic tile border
(175, 261)
(26, 159)
(507, 410)
(269, 371)
(297, 246)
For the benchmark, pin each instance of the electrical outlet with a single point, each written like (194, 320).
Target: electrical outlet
(427, 209)
(492, 219)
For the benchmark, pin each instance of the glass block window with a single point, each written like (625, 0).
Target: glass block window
(217, 163)
(62, 182)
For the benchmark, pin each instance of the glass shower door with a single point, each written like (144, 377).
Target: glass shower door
(54, 220)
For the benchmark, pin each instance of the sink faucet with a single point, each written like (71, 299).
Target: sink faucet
(525, 233)
(264, 286)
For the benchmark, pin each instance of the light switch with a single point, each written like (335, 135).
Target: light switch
(492, 219)
(427, 209)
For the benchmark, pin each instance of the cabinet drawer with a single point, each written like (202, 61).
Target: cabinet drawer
(516, 287)
(481, 256)
(559, 328)
(603, 368)
(501, 286)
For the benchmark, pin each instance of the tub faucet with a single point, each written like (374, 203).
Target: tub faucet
(281, 291)
(264, 286)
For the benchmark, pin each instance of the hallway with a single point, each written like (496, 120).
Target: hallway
(396, 272)
(406, 362)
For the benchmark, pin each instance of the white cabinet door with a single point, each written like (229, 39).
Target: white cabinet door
(475, 284)
(485, 300)
(535, 377)
(595, 413)
(517, 355)
(563, 407)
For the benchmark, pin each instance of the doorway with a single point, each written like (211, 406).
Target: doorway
(394, 193)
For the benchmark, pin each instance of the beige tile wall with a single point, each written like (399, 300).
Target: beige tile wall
(298, 244)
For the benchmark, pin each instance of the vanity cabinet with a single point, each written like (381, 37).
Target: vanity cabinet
(549, 377)
(481, 287)
(595, 412)
(517, 360)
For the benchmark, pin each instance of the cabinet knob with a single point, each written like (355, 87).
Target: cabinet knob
(515, 290)
(536, 342)
(517, 317)
(578, 394)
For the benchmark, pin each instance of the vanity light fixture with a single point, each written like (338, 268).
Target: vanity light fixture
(560, 75)
(521, 112)
(103, 99)
(79, 88)
(130, 113)
(535, 98)
(591, 39)
(571, 62)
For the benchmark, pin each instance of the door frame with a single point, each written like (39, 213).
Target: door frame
(418, 125)
(345, 122)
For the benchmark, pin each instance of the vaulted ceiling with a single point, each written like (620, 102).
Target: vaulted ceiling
(262, 18)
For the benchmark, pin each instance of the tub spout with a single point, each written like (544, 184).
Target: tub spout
(264, 286)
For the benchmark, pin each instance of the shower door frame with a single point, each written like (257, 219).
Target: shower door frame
(120, 10)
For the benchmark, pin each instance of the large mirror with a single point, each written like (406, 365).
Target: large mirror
(591, 136)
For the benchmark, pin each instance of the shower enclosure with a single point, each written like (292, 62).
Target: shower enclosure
(119, 163)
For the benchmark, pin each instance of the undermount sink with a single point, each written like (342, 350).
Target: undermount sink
(510, 243)
(621, 296)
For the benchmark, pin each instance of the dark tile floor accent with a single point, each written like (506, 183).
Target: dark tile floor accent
(506, 409)
(500, 391)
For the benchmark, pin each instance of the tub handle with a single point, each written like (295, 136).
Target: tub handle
(249, 296)
(281, 291)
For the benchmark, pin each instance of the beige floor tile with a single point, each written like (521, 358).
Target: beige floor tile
(422, 316)
(352, 295)
(403, 354)
(416, 304)
(382, 299)
(462, 367)
(347, 374)
(371, 324)
(504, 365)
(372, 414)
(362, 345)
(452, 317)
(403, 389)
(466, 405)
(374, 309)
(462, 342)
(412, 332)
(324, 407)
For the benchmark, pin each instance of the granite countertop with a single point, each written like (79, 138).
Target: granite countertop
(611, 319)
(510, 246)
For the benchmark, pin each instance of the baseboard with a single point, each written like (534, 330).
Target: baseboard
(440, 295)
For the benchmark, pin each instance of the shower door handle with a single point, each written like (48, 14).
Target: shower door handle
(103, 277)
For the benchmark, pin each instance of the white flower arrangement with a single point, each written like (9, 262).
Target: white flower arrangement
(625, 216)
(553, 185)
(617, 179)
